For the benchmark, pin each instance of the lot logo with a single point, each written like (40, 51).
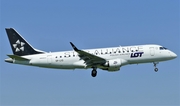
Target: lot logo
(138, 54)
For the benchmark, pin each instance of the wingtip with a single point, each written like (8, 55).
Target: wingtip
(73, 46)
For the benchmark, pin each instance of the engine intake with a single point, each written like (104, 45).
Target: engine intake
(113, 65)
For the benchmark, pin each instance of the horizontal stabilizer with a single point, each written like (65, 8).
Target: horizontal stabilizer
(18, 57)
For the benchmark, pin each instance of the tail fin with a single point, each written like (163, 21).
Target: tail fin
(19, 45)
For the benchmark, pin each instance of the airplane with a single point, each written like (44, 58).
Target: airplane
(110, 59)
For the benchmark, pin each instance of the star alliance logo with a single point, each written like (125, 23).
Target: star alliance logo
(19, 46)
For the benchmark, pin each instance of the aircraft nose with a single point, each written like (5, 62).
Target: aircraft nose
(173, 55)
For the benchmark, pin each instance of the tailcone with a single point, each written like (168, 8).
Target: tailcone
(9, 60)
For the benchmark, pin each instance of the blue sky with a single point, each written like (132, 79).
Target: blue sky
(50, 25)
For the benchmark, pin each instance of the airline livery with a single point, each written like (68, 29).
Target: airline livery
(109, 59)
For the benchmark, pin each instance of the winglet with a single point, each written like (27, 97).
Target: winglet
(74, 47)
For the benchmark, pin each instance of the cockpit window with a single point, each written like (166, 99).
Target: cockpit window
(162, 48)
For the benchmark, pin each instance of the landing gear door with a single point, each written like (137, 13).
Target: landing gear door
(152, 52)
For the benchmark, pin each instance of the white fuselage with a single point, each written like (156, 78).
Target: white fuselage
(126, 55)
(109, 59)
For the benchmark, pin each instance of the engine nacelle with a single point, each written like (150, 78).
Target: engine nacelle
(113, 65)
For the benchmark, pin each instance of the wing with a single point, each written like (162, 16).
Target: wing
(90, 59)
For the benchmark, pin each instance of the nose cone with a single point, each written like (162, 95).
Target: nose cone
(173, 55)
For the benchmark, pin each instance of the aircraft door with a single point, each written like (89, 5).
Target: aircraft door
(152, 52)
(49, 59)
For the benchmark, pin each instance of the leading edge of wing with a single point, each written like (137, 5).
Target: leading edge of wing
(87, 57)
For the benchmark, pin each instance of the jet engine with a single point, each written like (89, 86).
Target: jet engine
(113, 65)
